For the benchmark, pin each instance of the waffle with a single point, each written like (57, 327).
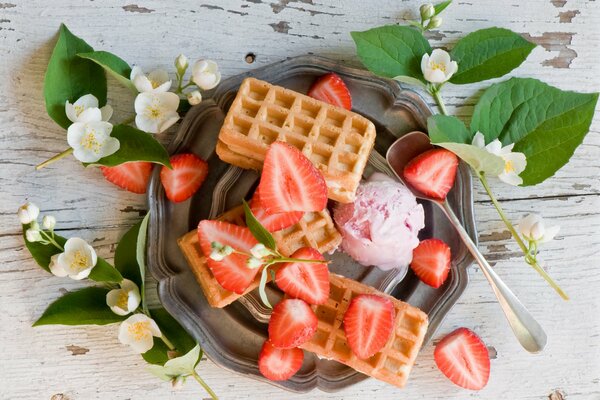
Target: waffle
(336, 140)
(315, 229)
(393, 363)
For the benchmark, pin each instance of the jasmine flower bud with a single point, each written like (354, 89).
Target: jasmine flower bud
(427, 11)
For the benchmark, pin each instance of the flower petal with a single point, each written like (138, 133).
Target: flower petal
(494, 147)
(435, 75)
(107, 112)
(143, 101)
(440, 56)
(142, 345)
(55, 268)
(146, 124)
(168, 100)
(142, 84)
(424, 63)
(111, 146)
(87, 101)
(135, 71)
(75, 133)
(478, 140)
(510, 178)
(90, 115)
(549, 233)
(168, 120)
(70, 111)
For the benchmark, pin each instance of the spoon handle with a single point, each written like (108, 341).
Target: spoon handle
(527, 330)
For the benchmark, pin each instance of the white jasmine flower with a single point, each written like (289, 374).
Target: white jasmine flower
(33, 235)
(78, 259)
(156, 112)
(28, 213)
(533, 228)
(124, 300)
(194, 98)
(254, 263)
(48, 222)
(260, 251)
(91, 141)
(156, 81)
(138, 331)
(438, 67)
(219, 252)
(181, 64)
(206, 74)
(514, 162)
(56, 268)
(85, 109)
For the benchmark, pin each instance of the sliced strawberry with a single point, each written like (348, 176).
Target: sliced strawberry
(464, 359)
(273, 222)
(279, 364)
(232, 272)
(132, 176)
(331, 89)
(290, 182)
(186, 177)
(306, 281)
(431, 262)
(292, 323)
(368, 323)
(432, 172)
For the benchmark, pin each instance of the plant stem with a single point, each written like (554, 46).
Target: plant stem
(213, 395)
(528, 258)
(168, 342)
(55, 158)
(51, 240)
(438, 100)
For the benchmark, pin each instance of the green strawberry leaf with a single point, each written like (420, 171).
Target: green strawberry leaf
(479, 159)
(179, 366)
(113, 64)
(69, 77)
(445, 128)
(169, 327)
(136, 145)
(545, 123)
(259, 232)
(126, 255)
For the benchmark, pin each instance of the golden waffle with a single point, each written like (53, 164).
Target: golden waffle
(393, 363)
(315, 229)
(336, 140)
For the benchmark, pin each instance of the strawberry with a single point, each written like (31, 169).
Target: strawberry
(273, 222)
(464, 359)
(309, 282)
(331, 89)
(186, 177)
(292, 323)
(232, 272)
(432, 172)
(279, 364)
(368, 323)
(431, 262)
(290, 182)
(131, 176)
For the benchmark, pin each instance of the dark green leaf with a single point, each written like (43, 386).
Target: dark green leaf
(392, 50)
(545, 123)
(488, 53)
(104, 272)
(136, 145)
(445, 128)
(83, 307)
(258, 230)
(69, 77)
(169, 327)
(184, 106)
(126, 255)
(113, 64)
(42, 253)
(441, 6)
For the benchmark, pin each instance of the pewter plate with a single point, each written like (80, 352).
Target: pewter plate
(232, 337)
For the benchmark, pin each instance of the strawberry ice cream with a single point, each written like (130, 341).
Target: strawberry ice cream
(380, 228)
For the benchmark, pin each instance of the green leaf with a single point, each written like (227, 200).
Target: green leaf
(140, 255)
(184, 106)
(104, 272)
(69, 77)
(545, 123)
(42, 253)
(488, 53)
(178, 366)
(83, 307)
(126, 255)
(169, 327)
(113, 64)
(409, 80)
(445, 128)
(441, 6)
(480, 159)
(136, 145)
(258, 230)
(392, 50)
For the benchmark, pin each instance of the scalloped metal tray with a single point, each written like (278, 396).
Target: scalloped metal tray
(232, 337)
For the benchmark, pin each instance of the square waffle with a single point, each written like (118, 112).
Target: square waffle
(395, 360)
(336, 140)
(315, 229)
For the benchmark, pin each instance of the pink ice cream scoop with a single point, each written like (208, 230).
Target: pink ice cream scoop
(380, 228)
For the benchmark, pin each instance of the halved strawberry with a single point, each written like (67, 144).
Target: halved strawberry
(273, 222)
(292, 323)
(186, 177)
(290, 182)
(368, 323)
(232, 272)
(432, 172)
(132, 176)
(331, 89)
(279, 364)
(431, 262)
(463, 358)
(306, 281)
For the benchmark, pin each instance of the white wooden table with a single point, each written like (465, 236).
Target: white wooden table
(89, 363)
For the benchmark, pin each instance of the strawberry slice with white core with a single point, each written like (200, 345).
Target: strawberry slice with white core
(368, 323)
(188, 173)
(432, 172)
(306, 281)
(232, 273)
(273, 222)
(279, 364)
(292, 323)
(463, 358)
(131, 176)
(431, 262)
(331, 89)
(290, 182)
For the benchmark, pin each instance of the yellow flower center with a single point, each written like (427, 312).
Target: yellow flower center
(155, 84)
(509, 167)
(80, 261)
(440, 66)
(90, 142)
(123, 300)
(79, 110)
(153, 112)
(139, 330)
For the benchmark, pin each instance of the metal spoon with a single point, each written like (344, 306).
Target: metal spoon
(527, 330)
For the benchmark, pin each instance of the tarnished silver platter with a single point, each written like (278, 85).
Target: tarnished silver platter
(232, 337)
